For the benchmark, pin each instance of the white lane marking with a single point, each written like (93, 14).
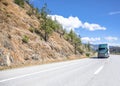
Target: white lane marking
(21, 76)
(98, 70)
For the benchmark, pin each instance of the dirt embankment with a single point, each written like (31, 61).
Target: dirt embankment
(15, 23)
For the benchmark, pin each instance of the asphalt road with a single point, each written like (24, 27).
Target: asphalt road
(83, 72)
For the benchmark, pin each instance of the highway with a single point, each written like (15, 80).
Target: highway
(82, 72)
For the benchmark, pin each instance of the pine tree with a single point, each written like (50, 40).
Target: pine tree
(71, 35)
(77, 42)
(88, 46)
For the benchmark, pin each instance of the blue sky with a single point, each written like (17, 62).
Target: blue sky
(97, 21)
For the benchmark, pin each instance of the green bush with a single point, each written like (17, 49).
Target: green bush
(80, 50)
(66, 37)
(25, 39)
(29, 12)
(20, 3)
(31, 29)
(87, 54)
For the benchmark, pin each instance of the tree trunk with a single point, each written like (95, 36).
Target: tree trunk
(75, 48)
(46, 36)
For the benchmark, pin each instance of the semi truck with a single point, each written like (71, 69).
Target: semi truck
(103, 51)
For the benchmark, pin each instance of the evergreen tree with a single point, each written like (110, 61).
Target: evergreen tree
(88, 46)
(71, 35)
(45, 22)
(77, 42)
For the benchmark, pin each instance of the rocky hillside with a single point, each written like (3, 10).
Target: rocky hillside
(19, 45)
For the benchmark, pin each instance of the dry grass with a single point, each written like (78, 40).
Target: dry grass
(16, 23)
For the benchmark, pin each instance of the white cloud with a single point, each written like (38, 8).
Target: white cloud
(114, 13)
(92, 27)
(67, 23)
(109, 43)
(110, 38)
(74, 22)
(114, 44)
(97, 40)
(91, 40)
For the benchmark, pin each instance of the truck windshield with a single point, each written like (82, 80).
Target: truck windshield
(101, 49)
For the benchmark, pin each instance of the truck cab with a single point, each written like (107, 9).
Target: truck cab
(103, 51)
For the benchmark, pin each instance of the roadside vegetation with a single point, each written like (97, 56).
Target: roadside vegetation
(20, 3)
(25, 39)
(31, 36)
(48, 26)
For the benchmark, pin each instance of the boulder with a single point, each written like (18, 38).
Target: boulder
(35, 56)
(5, 60)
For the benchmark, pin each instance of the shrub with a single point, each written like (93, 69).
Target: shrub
(87, 54)
(80, 50)
(25, 39)
(66, 37)
(20, 3)
(29, 12)
(31, 29)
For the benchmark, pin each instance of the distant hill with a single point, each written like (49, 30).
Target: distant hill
(113, 49)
